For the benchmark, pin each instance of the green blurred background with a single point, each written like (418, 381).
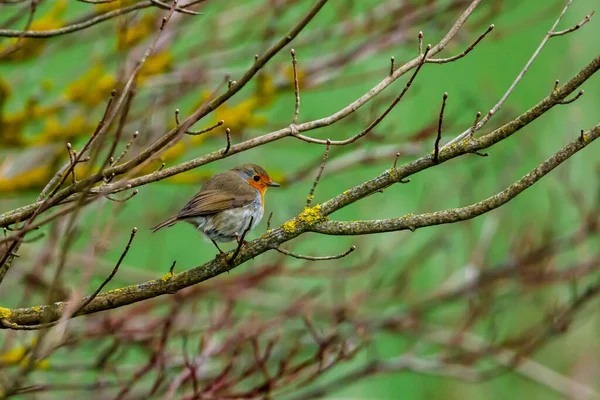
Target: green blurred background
(473, 83)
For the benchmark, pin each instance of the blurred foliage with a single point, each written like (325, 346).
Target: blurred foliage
(54, 91)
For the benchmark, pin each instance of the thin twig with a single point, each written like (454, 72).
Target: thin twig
(17, 45)
(123, 200)
(578, 95)
(436, 149)
(396, 160)
(464, 53)
(241, 241)
(72, 162)
(312, 258)
(228, 134)
(477, 116)
(201, 131)
(573, 28)
(296, 86)
(496, 108)
(295, 133)
(311, 195)
(110, 276)
(125, 150)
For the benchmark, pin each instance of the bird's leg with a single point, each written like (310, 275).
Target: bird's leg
(238, 238)
(218, 248)
(240, 241)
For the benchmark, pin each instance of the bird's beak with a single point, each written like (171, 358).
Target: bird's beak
(273, 184)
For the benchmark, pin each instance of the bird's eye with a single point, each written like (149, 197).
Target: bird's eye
(256, 178)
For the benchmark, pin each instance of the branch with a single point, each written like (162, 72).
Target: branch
(372, 124)
(24, 212)
(573, 28)
(75, 27)
(312, 258)
(396, 175)
(296, 87)
(464, 53)
(436, 149)
(311, 220)
(496, 108)
(414, 222)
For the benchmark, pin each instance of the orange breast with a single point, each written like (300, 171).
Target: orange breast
(261, 188)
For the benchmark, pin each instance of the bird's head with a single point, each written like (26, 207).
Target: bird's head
(255, 176)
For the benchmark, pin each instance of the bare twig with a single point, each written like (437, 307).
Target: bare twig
(520, 76)
(372, 124)
(123, 200)
(201, 131)
(228, 135)
(296, 86)
(109, 277)
(313, 258)
(573, 28)
(464, 53)
(578, 95)
(311, 194)
(436, 149)
(241, 241)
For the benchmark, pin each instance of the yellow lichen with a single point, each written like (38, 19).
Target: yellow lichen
(311, 215)
(310, 197)
(290, 226)
(19, 355)
(43, 364)
(5, 312)
(345, 192)
(13, 356)
(36, 308)
(167, 276)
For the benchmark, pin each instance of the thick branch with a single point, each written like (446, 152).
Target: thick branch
(413, 222)
(310, 220)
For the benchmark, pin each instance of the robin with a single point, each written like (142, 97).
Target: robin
(227, 205)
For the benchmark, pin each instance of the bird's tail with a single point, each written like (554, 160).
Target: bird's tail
(168, 222)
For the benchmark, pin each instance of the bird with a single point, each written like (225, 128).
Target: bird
(228, 204)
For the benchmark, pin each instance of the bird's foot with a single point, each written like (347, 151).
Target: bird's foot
(239, 238)
(221, 256)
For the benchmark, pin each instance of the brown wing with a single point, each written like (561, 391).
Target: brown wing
(221, 192)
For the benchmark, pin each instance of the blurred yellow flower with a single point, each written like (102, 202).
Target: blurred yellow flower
(134, 34)
(174, 152)
(19, 356)
(155, 64)
(265, 89)
(55, 131)
(32, 179)
(92, 88)
(289, 75)
(31, 47)
(113, 5)
(240, 116)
